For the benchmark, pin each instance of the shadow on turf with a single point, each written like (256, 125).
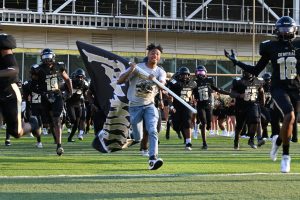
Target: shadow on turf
(102, 195)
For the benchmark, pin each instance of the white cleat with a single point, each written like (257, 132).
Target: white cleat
(274, 150)
(45, 131)
(188, 147)
(80, 136)
(286, 164)
(145, 153)
(39, 145)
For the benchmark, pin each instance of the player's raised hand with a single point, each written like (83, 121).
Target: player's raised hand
(231, 56)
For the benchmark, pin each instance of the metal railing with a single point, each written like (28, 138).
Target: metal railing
(83, 21)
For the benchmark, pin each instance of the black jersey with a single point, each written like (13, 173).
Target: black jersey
(203, 91)
(49, 78)
(249, 87)
(6, 62)
(79, 89)
(31, 88)
(182, 89)
(283, 56)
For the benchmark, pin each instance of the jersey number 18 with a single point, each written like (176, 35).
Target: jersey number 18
(287, 67)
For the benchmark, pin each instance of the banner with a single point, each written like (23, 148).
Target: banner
(104, 69)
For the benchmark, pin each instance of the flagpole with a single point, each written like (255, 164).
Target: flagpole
(146, 39)
(162, 86)
(253, 34)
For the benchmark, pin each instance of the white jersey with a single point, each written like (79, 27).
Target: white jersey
(141, 91)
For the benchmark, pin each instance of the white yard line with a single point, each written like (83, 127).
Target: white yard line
(148, 175)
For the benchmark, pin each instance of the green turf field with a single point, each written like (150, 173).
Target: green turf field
(82, 173)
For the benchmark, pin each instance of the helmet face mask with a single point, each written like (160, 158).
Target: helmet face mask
(184, 74)
(47, 56)
(201, 72)
(79, 75)
(286, 28)
(267, 77)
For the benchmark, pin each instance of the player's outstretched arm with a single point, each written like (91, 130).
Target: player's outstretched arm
(255, 70)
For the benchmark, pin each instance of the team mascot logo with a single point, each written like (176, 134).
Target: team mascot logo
(104, 68)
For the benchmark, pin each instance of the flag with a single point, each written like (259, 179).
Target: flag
(104, 68)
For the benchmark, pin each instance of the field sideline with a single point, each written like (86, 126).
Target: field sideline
(82, 173)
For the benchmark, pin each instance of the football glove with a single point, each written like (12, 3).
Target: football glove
(231, 57)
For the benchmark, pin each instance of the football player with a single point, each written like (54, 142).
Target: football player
(284, 55)
(203, 96)
(47, 75)
(75, 104)
(248, 91)
(182, 116)
(10, 95)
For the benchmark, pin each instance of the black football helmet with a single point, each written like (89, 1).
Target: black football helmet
(80, 73)
(184, 74)
(200, 71)
(47, 56)
(267, 76)
(286, 28)
(184, 70)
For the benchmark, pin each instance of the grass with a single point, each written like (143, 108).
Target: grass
(83, 173)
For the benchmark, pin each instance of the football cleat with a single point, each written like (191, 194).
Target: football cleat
(286, 164)
(204, 147)
(99, 144)
(39, 145)
(236, 145)
(145, 152)
(7, 143)
(80, 136)
(251, 144)
(261, 142)
(59, 151)
(45, 131)
(188, 147)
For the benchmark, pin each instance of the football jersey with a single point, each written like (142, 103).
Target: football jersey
(79, 89)
(48, 78)
(283, 56)
(183, 90)
(249, 87)
(8, 61)
(31, 88)
(203, 91)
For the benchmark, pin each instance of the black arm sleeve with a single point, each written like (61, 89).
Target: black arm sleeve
(264, 51)
(255, 70)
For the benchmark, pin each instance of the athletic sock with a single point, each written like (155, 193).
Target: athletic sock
(285, 149)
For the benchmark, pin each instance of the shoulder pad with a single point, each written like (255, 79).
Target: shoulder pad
(210, 80)
(61, 66)
(265, 46)
(193, 83)
(266, 41)
(173, 81)
(35, 66)
(259, 78)
(237, 78)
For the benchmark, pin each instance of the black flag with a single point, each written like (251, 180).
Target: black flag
(104, 68)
